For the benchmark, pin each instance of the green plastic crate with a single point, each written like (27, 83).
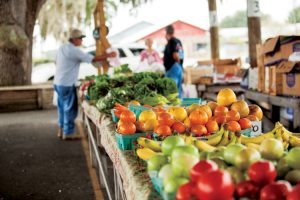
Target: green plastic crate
(126, 142)
(113, 116)
(246, 132)
(190, 101)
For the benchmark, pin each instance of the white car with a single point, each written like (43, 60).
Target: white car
(128, 54)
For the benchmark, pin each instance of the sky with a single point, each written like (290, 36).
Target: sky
(195, 11)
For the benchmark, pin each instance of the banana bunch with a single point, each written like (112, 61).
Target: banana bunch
(279, 132)
(150, 144)
(145, 153)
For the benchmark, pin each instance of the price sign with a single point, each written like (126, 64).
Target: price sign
(256, 128)
(213, 18)
(253, 8)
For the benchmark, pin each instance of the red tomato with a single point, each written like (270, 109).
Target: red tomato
(262, 172)
(275, 191)
(245, 123)
(186, 192)
(247, 189)
(294, 194)
(215, 184)
(202, 167)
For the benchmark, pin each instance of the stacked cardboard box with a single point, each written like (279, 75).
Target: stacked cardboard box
(277, 76)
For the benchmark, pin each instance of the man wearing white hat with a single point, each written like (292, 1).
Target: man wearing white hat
(68, 59)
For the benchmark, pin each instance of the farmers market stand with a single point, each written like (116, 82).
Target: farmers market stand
(277, 102)
(129, 179)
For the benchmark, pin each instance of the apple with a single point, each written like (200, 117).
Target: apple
(184, 150)
(246, 157)
(156, 162)
(275, 190)
(294, 194)
(182, 165)
(292, 158)
(256, 111)
(172, 183)
(170, 143)
(165, 172)
(232, 151)
(293, 176)
(219, 152)
(220, 162)
(201, 167)
(271, 149)
(236, 174)
(282, 168)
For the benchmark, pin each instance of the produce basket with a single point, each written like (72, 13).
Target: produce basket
(137, 109)
(114, 117)
(190, 101)
(246, 132)
(158, 186)
(126, 142)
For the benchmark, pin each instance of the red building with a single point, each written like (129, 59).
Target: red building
(194, 39)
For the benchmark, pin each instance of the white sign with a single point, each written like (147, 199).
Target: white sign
(213, 21)
(253, 8)
(256, 128)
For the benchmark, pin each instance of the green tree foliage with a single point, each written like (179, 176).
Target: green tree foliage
(58, 17)
(239, 19)
(294, 15)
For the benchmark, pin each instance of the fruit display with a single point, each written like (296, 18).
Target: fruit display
(207, 151)
(222, 162)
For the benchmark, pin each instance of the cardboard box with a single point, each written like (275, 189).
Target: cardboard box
(275, 81)
(290, 78)
(223, 66)
(279, 48)
(266, 80)
(192, 75)
(253, 78)
(261, 68)
(206, 80)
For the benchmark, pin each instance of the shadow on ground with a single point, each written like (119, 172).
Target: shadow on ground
(35, 165)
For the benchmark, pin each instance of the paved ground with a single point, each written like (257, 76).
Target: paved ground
(35, 165)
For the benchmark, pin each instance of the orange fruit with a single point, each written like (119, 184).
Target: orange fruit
(163, 130)
(128, 116)
(233, 126)
(179, 127)
(165, 119)
(147, 115)
(198, 117)
(245, 123)
(179, 113)
(199, 130)
(127, 128)
(206, 109)
(220, 111)
(226, 97)
(233, 115)
(212, 126)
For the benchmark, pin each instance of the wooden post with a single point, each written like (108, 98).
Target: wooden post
(254, 32)
(214, 30)
(101, 44)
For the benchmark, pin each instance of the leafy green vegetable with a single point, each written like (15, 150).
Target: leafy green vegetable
(123, 69)
(166, 86)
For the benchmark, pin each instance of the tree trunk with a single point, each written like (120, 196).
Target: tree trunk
(17, 20)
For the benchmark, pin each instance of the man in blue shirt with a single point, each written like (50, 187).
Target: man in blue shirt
(68, 60)
(173, 58)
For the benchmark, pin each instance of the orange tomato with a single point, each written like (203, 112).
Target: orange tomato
(233, 126)
(140, 126)
(179, 127)
(128, 116)
(212, 126)
(220, 111)
(233, 115)
(165, 119)
(221, 119)
(198, 117)
(252, 118)
(245, 123)
(199, 130)
(127, 128)
(163, 130)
